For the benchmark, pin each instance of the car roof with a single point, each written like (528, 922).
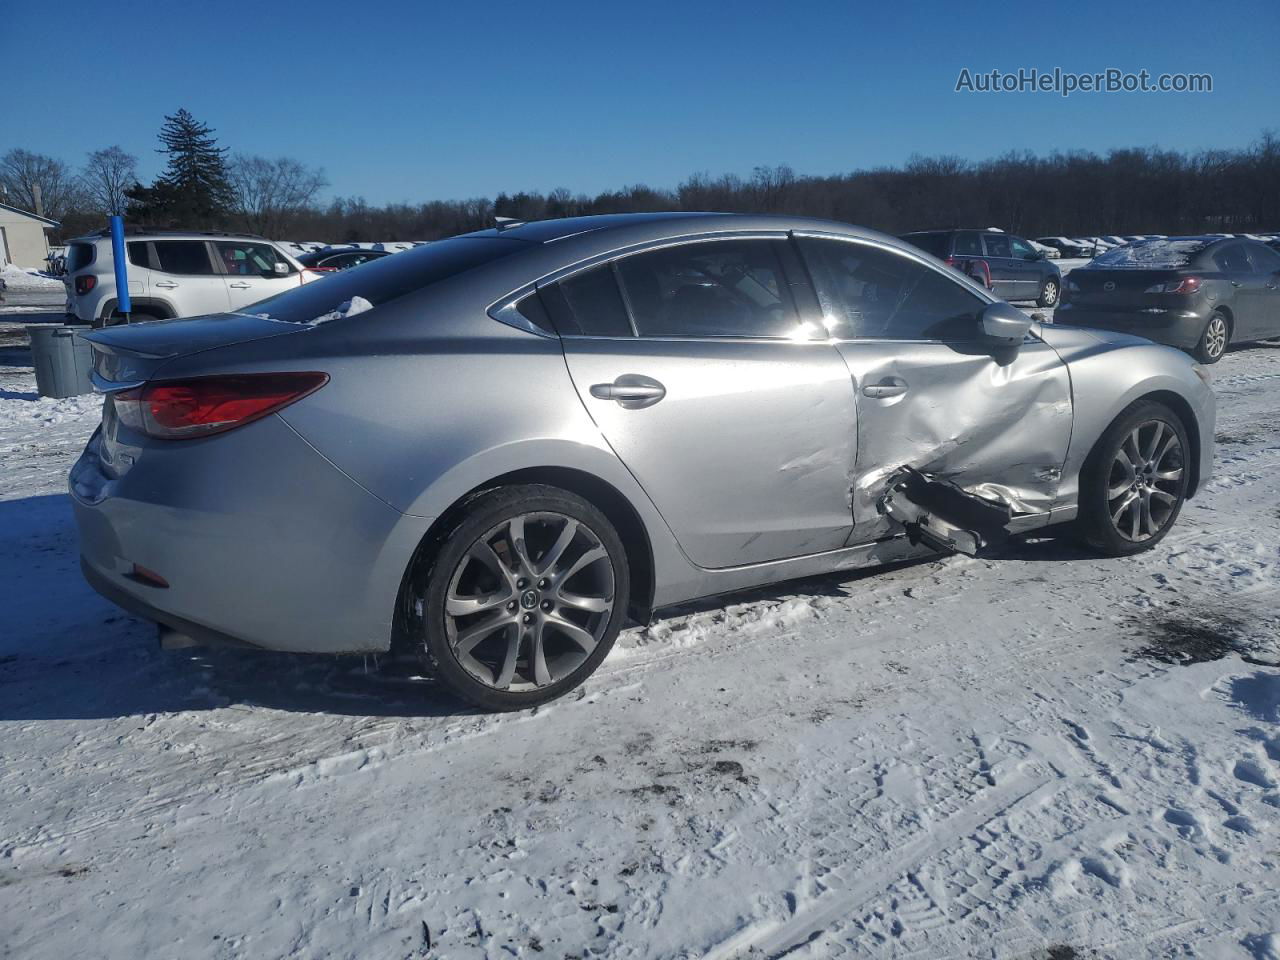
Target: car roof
(587, 236)
(137, 234)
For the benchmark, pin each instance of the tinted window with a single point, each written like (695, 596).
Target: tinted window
(997, 244)
(968, 245)
(244, 258)
(1264, 259)
(719, 288)
(79, 256)
(388, 278)
(138, 254)
(188, 257)
(532, 309)
(1232, 258)
(870, 293)
(591, 304)
(938, 244)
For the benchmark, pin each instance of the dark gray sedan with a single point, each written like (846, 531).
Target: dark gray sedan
(1197, 293)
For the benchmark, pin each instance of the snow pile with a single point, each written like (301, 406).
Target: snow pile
(19, 280)
(1151, 255)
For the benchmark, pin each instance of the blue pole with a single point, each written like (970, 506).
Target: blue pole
(122, 272)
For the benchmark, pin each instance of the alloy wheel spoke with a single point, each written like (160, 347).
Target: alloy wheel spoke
(577, 634)
(467, 639)
(519, 548)
(538, 657)
(484, 554)
(1118, 512)
(588, 558)
(590, 604)
(1168, 498)
(1169, 476)
(1149, 455)
(508, 671)
(465, 606)
(557, 549)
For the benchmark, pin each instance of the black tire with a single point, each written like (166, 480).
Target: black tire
(1215, 339)
(478, 521)
(1103, 474)
(1049, 292)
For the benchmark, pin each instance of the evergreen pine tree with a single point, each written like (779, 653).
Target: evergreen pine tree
(194, 184)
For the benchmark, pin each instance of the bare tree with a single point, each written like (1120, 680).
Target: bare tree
(37, 183)
(106, 176)
(268, 192)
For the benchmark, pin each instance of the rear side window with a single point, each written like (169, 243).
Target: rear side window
(590, 304)
(1232, 259)
(138, 253)
(1264, 259)
(387, 278)
(718, 288)
(867, 292)
(968, 245)
(187, 257)
(937, 244)
(79, 256)
(997, 245)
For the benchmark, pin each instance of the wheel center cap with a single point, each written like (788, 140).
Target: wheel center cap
(528, 599)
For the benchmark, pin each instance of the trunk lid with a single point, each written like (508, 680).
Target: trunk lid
(133, 352)
(1119, 288)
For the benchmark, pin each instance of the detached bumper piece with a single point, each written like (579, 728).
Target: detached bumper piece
(942, 515)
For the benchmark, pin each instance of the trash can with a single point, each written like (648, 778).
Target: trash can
(63, 359)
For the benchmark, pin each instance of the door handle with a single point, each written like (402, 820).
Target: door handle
(240, 285)
(1235, 283)
(631, 390)
(886, 388)
(166, 284)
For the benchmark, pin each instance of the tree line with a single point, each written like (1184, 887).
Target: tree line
(1124, 191)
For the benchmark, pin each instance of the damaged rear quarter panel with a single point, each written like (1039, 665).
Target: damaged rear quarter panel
(994, 421)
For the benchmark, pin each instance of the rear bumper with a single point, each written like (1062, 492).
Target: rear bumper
(260, 539)
(1176, 328)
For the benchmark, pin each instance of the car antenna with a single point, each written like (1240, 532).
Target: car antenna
(506, 223)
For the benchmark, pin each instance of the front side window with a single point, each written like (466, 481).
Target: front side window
(187, 257)
(1264, 259)
(243, 258)
(867, 292)
(997, 244)
(1021, 248)
(713, 288)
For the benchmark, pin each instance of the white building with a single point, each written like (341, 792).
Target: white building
(24, 240)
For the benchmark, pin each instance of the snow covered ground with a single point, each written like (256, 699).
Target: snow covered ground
(1038, 755)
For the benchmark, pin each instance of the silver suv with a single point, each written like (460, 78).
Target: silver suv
(176, 274)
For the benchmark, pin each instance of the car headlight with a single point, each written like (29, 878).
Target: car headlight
(1203, 372)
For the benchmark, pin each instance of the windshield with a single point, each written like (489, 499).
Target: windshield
(1151, 255)
(383, 280)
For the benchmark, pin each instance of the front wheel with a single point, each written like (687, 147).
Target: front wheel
(1214, 340)
(1048, 294)
(1135, 481)
(525, 597)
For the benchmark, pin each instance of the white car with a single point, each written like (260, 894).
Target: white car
(176, 274)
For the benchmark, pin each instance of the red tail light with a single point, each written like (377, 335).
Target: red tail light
(85, 283)
(200, 406)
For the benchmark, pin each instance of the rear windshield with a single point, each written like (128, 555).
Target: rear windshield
(1151, 255)
(79, 256)
(383, 280)
(934, 243)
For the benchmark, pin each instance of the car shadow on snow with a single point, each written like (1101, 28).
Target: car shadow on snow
(66, 653)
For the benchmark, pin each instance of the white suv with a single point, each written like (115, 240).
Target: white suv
(175, 274)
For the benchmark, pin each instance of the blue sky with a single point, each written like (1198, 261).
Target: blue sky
(415, 100)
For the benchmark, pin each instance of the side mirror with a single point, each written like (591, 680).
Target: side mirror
(1034, 255)
(280, 269)
(1004, 323)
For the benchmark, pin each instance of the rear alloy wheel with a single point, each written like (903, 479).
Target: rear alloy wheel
(1048, 294)
(525, 598)
(1135, 481)
(1214, 340)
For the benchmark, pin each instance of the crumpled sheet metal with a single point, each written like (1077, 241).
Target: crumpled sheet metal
(941, 514)
(997, 431)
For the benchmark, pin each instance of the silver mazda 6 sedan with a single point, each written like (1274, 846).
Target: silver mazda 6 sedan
(491, 450)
